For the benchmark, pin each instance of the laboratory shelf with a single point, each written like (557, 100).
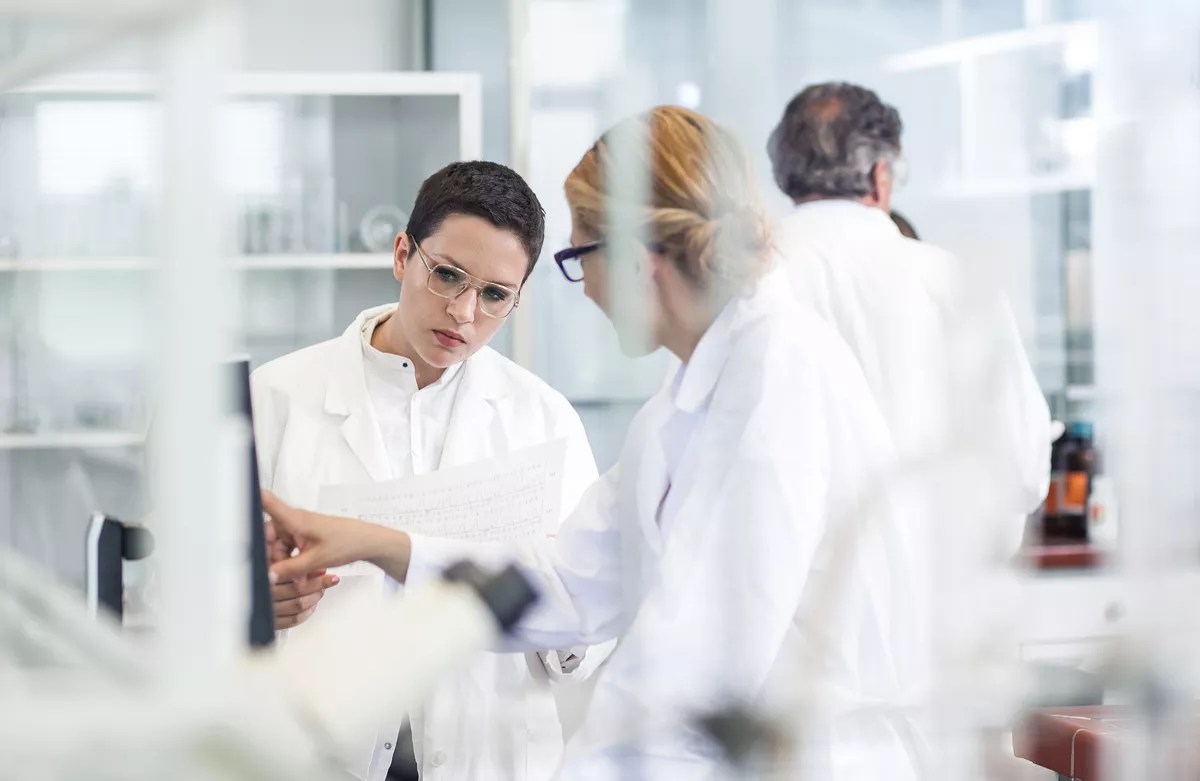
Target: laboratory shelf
(1081, 392)
(283, 262)
(79, 439)
(349, 260)
(349, 83)
(966, 49)
(979, 187)
(466, 87)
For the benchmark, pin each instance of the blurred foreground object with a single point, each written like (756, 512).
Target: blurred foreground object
(90, 704)
(1084, 743)
(748, 740)
(1069, 741)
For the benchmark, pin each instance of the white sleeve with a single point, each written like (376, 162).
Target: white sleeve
(577, 663)
(579, 465)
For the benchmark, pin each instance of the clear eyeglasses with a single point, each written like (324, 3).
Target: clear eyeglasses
(450, 282)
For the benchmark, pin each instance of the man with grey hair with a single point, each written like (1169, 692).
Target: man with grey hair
(838, 141)
(933, 334)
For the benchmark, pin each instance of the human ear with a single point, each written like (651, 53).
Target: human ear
(400, 255)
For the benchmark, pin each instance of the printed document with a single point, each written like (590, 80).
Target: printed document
(513, 497)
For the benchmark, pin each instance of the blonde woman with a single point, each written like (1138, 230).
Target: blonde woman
(701, 547)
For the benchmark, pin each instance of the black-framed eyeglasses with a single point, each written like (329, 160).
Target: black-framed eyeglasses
(570, 260)
(450, 282)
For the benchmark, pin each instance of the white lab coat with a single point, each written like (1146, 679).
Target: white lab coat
(314, 426)
(937, 342)
(712, 576)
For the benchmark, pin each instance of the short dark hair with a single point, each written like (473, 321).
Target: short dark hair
(829, 140)
(478, 188)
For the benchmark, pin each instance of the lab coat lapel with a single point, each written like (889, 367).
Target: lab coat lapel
(469, 435)
(652, 475)
(346, 395)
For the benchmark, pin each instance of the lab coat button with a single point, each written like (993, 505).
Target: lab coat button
(439, 759)
(387, 746)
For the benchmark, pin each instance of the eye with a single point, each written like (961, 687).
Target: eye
(448, 275)
(498, 294)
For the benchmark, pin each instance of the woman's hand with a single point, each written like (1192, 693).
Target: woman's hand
(296, 600)
(326, 541)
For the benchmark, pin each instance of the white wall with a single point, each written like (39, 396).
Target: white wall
(320, 35)
(472, 35)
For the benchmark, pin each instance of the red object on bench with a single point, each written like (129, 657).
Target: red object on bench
(1065, 556)
(1071, 741)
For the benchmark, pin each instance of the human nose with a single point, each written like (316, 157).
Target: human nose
(462, 307)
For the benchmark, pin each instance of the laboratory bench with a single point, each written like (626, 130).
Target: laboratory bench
(1081, 742)
(1070, 741)
(1054, 554)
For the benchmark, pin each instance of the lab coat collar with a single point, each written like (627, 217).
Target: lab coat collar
(844, 209)
(696, 379)
(346, 391)
(346, 395)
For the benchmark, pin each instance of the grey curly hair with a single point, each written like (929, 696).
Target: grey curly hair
(829, 140)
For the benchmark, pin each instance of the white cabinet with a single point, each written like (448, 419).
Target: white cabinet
(318, 171)
(1069, 617)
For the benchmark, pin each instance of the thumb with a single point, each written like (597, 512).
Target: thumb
(295, 567)
(288, 521)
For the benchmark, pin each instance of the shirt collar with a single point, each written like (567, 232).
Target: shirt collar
(392, 362)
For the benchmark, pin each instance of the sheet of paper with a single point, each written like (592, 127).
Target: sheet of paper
(515, 496)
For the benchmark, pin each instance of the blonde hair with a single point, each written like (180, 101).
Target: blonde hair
(703, 208)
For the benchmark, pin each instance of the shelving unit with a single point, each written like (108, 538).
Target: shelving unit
(979, 187)
(82, 439)
(466, 87)
(341, 144)
(293, 83)
(974, 47)
(346, 260)
(284, 262)
(1077, 42)
(1080, 393)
